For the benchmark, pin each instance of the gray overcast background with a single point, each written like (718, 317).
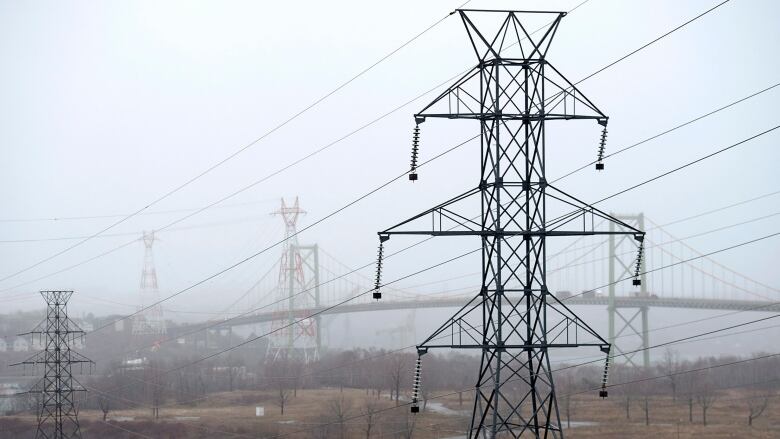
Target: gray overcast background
(107, 105)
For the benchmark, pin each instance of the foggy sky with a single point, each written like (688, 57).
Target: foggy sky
(108, 105)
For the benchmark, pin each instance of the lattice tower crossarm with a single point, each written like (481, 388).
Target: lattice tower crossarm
(56, 391)
(512, 96)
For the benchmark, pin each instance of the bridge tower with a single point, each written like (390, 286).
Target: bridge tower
(150, 321)
(513, 320)
(621, 267)
(294, 335)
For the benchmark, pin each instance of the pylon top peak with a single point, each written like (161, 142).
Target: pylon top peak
(148, 238)
(289, 213)
(520, 35)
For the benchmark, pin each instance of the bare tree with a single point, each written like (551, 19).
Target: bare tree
(565, 391)
(156, 388)
(370, 413)
(687, 384)
(407, 430)
(756, 406)
(296, 369)
(233, 367)
(278, 373)
(705, 396)
(646, 389)
(323, 428)
(690, 409)
(670, 366)
(340, 408)
(396, 375)
(283, 395)
(645, 404)
(105, 405)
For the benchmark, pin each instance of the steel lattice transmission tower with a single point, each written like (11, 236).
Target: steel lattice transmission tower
(513, 320)
(150, 319)
(294, 335)
(56, 391)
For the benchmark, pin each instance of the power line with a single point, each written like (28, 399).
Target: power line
(248, 258)
(120, 215)
(332, 280)
(675, 128)
(680, 340)
(323, 148)
(137, 233)
(229, 157)
(691, 163)
(400, 176)
(476, 250)
(646, 45)
(369, 264)
(319, 150)
(684, 339)
(661, 244)
(760, 197)
(682, 261)
(314, 314)
(698, 369)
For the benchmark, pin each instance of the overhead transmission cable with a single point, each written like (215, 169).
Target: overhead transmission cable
(691, 163)
(231, 156)
(570, 263)
(314, 314)
(557, 179)
(336, 141)
(399, 177)
(297, 232)
(676, 341)
(674, 128)
(590, 362)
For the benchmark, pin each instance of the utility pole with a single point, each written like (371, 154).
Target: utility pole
(514, 320)
(150, 320)
(57, 410)
(298, 293)
(619, 268)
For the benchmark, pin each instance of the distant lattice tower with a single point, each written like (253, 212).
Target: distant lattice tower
(295, 335)
(149, 321)
(56, 391)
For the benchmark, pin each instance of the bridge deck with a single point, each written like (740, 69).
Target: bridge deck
(387, 305)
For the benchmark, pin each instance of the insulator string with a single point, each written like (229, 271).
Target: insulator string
(415, 152)
(602, 146)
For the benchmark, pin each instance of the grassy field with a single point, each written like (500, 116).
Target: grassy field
(315, 414)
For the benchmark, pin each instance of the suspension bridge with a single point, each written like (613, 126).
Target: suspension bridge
(310, 281)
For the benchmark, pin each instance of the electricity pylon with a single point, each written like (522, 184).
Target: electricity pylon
(57, 410)
(150, 320)
(295, 335)
(623, 319)
(514, 320)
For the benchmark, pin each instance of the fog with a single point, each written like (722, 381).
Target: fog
(108, 106)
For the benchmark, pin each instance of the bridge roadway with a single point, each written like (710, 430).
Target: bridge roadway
(388, 305)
